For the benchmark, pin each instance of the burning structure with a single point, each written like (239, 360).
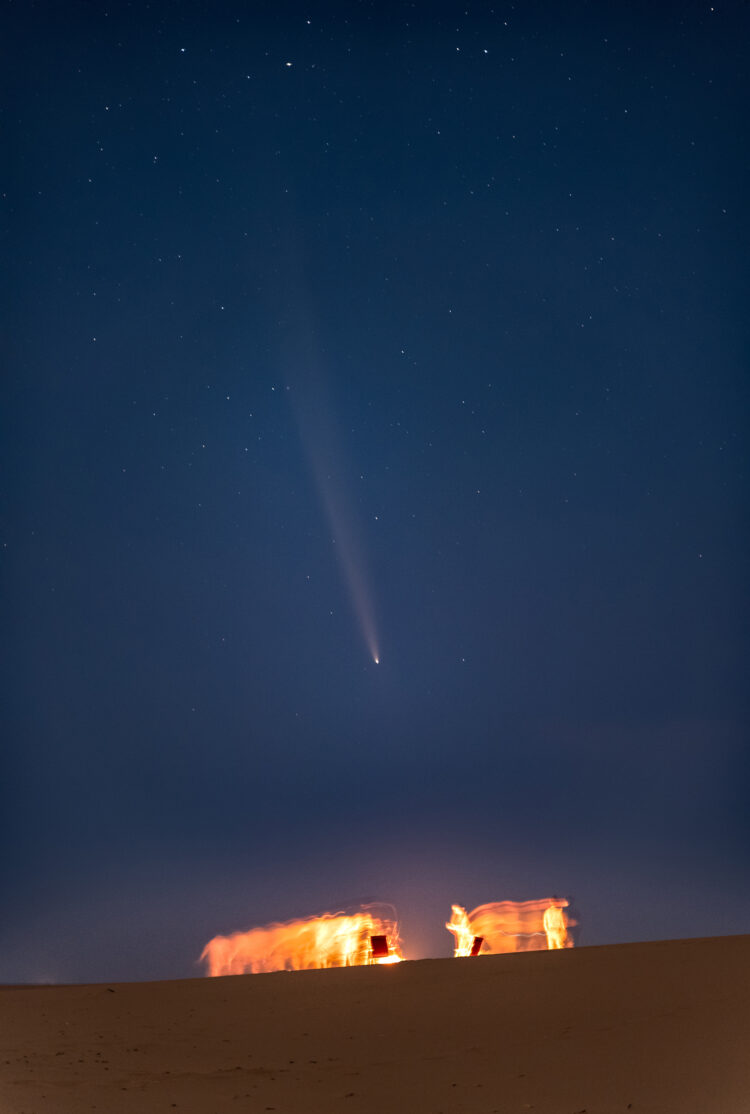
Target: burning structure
(510, 926)
(367, 936)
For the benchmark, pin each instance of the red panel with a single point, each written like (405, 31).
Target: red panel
(477, 945)
(379, 945)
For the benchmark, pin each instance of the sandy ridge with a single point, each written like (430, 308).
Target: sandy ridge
(655, 1027)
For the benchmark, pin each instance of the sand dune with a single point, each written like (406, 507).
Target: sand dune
(657, 1027)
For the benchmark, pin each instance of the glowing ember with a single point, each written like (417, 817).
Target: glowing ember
(511, 926)
(333, 940)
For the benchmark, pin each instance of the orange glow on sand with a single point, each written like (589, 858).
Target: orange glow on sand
(331, 940)
(511, 926)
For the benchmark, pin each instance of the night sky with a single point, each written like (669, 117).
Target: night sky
(343, 331)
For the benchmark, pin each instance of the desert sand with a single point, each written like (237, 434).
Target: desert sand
(657, 1027)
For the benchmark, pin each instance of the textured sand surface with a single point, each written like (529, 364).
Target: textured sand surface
(658, 1028)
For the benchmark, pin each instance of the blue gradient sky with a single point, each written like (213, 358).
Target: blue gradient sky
(477, 282)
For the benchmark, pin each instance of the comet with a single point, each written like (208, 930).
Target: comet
(318, 437)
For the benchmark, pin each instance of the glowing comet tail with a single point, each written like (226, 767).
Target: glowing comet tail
(318, 438)
(352, 564)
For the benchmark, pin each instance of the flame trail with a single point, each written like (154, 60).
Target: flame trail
(331, 940)
(512, 926)
(461, 928)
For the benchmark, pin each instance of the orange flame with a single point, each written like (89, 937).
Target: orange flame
(512, 926)
(332, 940)
(461, 929)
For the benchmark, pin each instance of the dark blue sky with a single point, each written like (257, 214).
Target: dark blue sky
(443, 304)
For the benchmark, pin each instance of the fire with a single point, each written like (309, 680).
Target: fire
(511, 926)
(331, 940)
(461, 929)
(555, 926)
